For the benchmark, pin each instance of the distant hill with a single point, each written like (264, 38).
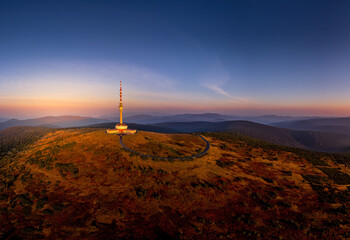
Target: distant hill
(207, 117)
(268, 119)
(53, 121)
(3, 119)
(335, 125)
(320, 141)
(147, 119)
(140, 127)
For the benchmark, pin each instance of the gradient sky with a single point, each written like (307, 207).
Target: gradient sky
(235, 57)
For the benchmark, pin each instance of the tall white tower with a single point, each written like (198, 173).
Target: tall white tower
(121, 104)
(121, 128)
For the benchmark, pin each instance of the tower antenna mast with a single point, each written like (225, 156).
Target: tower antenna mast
(121, 128)
(121, 104)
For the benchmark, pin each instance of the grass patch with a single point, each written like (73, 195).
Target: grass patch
(64, 168)
(68, 145)
(314, 179)
(41, 202)
(43, 161)
(337, 176)
(22, 200)
(313, 157)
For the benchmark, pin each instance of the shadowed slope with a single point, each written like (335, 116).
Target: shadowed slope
(16, 138)
(335, 125)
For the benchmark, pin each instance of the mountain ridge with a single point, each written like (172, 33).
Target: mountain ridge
(320, 141)
(211, 117)
(54, 121)
(334, 124)
(3, 119)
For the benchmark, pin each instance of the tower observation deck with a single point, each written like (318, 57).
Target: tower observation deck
(121, 128)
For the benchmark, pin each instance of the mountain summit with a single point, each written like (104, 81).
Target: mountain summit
(82, 184)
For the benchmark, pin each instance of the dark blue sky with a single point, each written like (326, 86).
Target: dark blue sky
(246, 57)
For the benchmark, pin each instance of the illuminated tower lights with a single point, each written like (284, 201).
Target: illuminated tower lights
(121, 128)
(121, 104)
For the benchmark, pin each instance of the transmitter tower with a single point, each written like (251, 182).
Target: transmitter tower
(121, 128)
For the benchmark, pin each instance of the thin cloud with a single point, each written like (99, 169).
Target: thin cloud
(230, 97)
(217, 76)
(216, 89)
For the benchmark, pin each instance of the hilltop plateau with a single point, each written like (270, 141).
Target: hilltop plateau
(81, 184)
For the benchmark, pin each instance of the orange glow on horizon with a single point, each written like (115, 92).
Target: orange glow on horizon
(13, 107)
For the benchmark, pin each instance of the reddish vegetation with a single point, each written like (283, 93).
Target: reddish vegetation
(80, 184)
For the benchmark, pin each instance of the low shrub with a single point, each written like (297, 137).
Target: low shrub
(337, 176)
(67, 167)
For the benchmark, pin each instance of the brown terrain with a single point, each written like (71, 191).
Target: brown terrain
(80, 184)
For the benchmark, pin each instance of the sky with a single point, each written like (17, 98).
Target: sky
(237, 57)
